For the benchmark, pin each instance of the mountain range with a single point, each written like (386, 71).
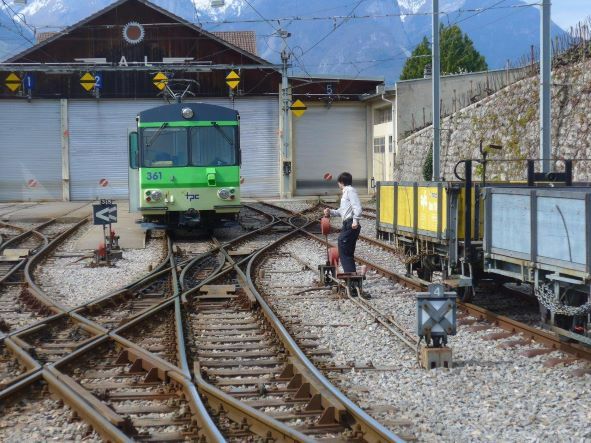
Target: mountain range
(374, 43)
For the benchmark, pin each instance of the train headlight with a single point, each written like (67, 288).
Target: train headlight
(224, 194)
(153, 196)
(187, 112)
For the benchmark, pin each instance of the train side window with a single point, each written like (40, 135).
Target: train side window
(133, 150)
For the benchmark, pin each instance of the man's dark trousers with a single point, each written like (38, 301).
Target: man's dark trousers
(347, 241)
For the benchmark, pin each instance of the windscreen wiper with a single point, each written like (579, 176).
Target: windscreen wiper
(156, 134)
(228, 139)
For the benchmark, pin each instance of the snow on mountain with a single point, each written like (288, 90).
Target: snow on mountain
(410, 6)
(357, 47)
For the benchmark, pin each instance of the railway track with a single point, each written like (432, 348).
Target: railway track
(19, 304)
(224, 366)
(19, 245)
(234, 349)
(33, 330)
(191, 352)
(381, 266)
(246, 364)
(37, 415)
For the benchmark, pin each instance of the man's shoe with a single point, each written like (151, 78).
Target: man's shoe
(366, 296)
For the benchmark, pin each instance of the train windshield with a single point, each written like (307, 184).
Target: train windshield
(213, 145)
(164, 146)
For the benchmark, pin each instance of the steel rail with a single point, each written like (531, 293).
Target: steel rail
(31, 365)
(3, 239)
(84, 409)
(12, 271)
(95, 341)
(503, 322)
(398, 331)
(13, 339)
(387, 321)
(182, 352)
(409, 282)
(21, 384)
(31, 264)
(149, 361)
(538, 335)
(258, 422)
(28, 233)
(372, 430)
(199, 258)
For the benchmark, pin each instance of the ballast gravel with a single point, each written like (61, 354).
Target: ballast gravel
(15, 313)
(34, 419)
(71, 282)
(490, 394)
(296, 205)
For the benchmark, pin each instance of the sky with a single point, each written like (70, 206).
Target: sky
(567, 13)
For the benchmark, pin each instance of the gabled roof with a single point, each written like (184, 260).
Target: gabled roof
(255, 58)
(246, 40)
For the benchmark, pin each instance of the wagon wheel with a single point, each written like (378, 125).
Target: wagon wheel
(466, 294)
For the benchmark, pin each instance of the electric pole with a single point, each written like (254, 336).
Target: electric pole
(435, 73)
(545, 88)
(286, 102)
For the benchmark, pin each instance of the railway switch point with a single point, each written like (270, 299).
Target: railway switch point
(327, 273)
(354, 282)
(436, 320)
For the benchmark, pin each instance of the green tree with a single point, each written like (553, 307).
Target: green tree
(428, 166)
(415, 64)
(457, 55)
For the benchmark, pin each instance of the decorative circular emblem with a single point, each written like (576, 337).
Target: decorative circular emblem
(133, 33)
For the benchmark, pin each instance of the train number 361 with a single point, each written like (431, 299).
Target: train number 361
(154, 175)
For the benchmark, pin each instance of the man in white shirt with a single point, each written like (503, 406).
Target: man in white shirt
(350, 212)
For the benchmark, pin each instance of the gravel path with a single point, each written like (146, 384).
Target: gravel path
(491, 393)
(71, 282)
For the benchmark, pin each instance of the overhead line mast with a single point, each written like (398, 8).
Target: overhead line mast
(545, 88)
(435, 73)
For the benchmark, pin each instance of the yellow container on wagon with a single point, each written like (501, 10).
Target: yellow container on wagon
(430, 211)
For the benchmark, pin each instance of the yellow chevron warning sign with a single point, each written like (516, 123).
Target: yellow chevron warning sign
(160, 80)
(87, 81)
(232, 79)
(298, 108)
(13, 82)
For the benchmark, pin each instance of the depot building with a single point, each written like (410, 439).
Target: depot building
(69, 102)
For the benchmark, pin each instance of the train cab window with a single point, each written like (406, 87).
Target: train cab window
(164, 146)
(213, 145)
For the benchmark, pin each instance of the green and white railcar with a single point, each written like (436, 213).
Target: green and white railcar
(185, 165)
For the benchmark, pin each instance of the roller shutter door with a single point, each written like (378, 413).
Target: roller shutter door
(30, 150)
(98, 145)
(330, 140)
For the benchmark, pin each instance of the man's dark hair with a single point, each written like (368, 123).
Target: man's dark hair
(345, 178)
